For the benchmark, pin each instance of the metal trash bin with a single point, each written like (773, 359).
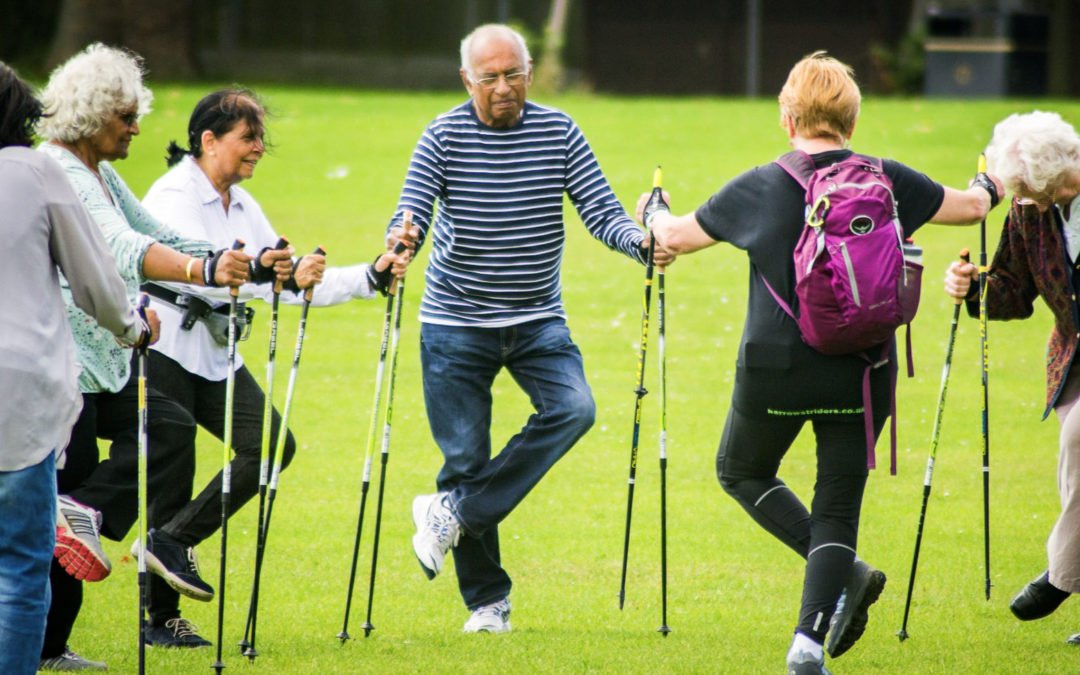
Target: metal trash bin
(969, 55)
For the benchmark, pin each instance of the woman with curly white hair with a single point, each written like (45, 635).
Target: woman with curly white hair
(1037, 156)
(93, 103)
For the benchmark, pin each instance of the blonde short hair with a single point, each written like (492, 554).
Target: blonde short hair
(821, 98)
(85, 91)
(1033, 153)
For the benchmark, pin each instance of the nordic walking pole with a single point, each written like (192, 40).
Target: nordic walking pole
(384, 456)
(226, 470)
(660, 311)
(275, 474)
(639, 392)
(264, 454)
(965, 255)
(372, 431)
(144, 587)
(985, 390)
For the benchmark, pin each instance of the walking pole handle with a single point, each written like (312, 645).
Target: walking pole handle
(282, 243)
(140, 307)
(308, 292)
(237, 245)
(401, 247)
(965, 255)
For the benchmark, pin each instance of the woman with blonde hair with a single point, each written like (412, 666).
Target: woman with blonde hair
(781, 383)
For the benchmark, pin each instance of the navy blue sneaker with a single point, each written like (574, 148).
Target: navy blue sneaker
(174, 633)
(176, 564)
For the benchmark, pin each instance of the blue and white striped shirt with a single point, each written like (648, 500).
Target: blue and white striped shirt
(498, 234)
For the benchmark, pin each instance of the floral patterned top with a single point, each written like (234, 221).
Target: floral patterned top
(1032, 262)
(129, 231)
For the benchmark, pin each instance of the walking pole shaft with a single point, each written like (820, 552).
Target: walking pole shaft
(385, 453)
(655, 199)
(639, 392)
(985, 344)
(278, 457)
(365, 482)
(661, 306)
(264, 461)
(934, 436)
(226, 470)
(143, 444)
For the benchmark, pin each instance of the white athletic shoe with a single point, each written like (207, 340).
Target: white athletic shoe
(493, 618)
(78, 541)
(437, 531)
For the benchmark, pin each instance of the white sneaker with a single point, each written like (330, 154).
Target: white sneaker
(437, 530)
(493, 618)
(78, 541)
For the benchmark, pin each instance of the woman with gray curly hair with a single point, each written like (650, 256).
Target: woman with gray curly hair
(1037, 156)
(93, 103)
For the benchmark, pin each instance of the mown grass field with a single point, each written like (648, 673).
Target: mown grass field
(333, 180)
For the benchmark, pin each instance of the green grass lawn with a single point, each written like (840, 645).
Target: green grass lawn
(333, 180)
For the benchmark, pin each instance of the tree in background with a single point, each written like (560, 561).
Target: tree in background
(161, 31)
(550, 75)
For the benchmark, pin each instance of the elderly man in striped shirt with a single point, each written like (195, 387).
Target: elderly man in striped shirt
(498, 166)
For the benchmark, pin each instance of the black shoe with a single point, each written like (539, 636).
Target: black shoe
(176, 564)
(1038, 599)
(178, 632)
(848, 622)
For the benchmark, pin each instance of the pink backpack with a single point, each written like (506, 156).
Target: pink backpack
(854, 286)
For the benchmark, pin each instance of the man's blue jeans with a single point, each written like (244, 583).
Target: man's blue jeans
(459, 366)
(27, 537)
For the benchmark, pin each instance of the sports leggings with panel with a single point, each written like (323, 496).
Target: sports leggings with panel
(747, 463)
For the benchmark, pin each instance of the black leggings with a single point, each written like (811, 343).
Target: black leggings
(111, 486)
(205, 401)
(747, 463)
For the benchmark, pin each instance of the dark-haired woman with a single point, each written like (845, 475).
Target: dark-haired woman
(199, 196)
(45, 223)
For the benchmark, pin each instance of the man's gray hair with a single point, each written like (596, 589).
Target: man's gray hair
(85, 91)
(1033, 153)
(492, 30)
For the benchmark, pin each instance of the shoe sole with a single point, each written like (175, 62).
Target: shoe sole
(849, 633)
(78, 559)
(155, 566)
(492, 631)
(419, 515)
(177, 645)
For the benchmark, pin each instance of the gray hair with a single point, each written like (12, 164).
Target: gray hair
(85, 91)
(492, 30)
(1033, 153)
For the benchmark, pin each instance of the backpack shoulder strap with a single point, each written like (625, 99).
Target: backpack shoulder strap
(776, 296)
(798, 165)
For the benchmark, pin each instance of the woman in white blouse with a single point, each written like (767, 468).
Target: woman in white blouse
(200, 197)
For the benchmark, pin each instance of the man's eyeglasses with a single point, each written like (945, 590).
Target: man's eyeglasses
(490, 81)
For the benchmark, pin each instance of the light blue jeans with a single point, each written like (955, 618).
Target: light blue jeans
(27, 537)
